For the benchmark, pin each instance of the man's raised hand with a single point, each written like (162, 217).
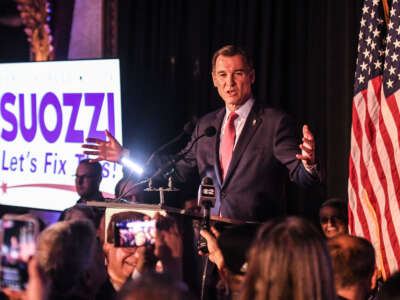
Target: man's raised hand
(307, 155)
(110, 150)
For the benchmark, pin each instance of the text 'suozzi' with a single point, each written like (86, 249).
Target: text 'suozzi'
(73, 100)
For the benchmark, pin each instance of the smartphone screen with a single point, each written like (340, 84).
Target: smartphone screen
(18, 245)
(135, 233)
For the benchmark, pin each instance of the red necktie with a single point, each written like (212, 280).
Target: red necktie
(227, 143)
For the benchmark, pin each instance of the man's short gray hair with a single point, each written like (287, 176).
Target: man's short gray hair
(65, 251)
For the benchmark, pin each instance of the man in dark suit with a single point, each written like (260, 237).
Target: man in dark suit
(252, 152)
(87, 181)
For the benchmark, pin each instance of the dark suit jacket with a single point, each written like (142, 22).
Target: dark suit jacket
(264, 156)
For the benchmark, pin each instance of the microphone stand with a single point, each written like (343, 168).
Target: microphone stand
(167, 170)
(164, 171)
(187, 130)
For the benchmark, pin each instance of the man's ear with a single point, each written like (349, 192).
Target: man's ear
(374, 278)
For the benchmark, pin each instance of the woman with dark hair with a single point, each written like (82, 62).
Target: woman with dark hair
(289, 260)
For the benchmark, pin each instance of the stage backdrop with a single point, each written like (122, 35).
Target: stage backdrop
(304, 55)
(47, 109)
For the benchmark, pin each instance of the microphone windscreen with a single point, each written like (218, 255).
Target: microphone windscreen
(207, 181)
(210, 131)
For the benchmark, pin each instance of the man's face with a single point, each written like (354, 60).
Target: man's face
(332, 222)
(233, 79)
(122, 261)
(86, 181)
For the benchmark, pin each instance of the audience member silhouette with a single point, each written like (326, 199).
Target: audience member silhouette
(288, 260)
(154, 286)
(354, 266)
(391, 288)
(66, 253)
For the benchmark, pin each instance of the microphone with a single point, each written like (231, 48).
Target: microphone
(206, 199)
(188, 129)
(209, 132)
(206, 196)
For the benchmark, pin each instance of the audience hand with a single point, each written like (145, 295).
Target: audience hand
(110, 150)
(214, 253)
(146, 259)
(38, 285)
(14, 295)
(169, 245)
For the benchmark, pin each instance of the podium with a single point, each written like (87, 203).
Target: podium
(153, 208)
(188, 224)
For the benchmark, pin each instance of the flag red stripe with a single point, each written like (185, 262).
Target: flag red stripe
(354, 183)
(359, 211)
(357, 132)
(349, 210)
(370, 134)
(394, 172)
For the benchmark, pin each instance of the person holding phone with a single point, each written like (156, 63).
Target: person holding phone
(124, 259)
(125, 262)
(65, 265)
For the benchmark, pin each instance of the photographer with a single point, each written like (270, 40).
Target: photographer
(133, 261)
(228, 251)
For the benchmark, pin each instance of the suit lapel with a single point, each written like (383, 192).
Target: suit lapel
(218, 124)
(253, 121)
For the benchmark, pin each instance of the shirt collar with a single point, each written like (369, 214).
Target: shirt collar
(244, 110)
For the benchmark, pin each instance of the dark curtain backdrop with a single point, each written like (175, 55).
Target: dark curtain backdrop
(304, 54)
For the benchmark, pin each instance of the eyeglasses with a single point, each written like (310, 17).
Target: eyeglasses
(84, 176)
(333, 219)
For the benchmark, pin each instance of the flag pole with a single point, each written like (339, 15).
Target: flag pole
(386, 10)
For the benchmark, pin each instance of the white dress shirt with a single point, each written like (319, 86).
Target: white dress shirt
(243, 112)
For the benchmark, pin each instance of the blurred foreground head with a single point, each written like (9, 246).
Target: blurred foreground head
(289, 260)
(154, 286)
(354, 266)
(66, 252)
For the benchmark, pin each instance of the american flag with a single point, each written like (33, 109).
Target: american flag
(374, 165)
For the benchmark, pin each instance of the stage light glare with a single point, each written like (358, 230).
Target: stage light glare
(131, 165)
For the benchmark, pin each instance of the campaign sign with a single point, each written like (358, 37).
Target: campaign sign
(47, 110)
